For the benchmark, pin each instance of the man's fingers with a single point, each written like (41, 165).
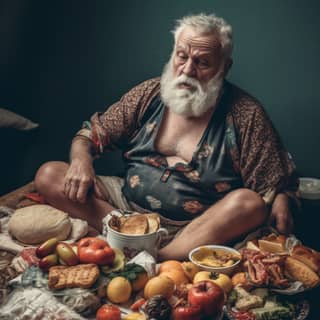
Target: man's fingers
(73, 191)
(98, 190)
(83, 191)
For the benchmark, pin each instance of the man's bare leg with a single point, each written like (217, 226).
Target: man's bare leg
(49, 183)
(237, 213)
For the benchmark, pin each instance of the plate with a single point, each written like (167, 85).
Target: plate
(302, 309)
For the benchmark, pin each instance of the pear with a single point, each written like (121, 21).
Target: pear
(118, 262)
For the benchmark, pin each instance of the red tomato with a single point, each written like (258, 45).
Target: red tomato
(208, 295)
(187, 313)
(95, 250)
(108, 312)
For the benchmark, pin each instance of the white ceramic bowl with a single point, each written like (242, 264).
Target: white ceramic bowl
(225, 270)
(309, 188)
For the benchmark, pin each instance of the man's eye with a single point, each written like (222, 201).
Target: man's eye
(203, 63)
(182, 56)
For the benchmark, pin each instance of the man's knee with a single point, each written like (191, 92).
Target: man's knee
(248, 202)
(48, 174)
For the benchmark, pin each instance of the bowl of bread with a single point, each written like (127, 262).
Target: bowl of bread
(215, 258)
(135, 232)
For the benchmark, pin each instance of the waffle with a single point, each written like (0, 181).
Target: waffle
(79, 276)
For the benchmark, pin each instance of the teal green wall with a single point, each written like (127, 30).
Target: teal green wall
(62, 60)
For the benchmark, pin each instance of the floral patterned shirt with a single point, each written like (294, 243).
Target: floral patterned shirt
(239, 148)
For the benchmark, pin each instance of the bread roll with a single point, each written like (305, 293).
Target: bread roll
(307, 256)
(38, 223)
(301, 272)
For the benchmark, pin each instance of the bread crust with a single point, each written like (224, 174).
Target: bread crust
(135, 224)
(79, 276)
(299, 271)
(307, 256)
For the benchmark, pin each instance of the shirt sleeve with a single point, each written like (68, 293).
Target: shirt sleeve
(265, 165)
(111, 129)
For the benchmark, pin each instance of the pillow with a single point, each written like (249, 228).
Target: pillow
(10, 119)
(38, 223)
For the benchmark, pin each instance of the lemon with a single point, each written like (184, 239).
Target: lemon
(119, 290)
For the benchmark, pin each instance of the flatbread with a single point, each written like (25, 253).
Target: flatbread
(153, 222)
(135, 224)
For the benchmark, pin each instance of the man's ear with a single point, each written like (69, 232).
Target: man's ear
(227, 66)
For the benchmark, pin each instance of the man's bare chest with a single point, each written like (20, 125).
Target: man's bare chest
(178, 137)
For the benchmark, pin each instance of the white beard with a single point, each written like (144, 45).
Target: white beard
(191, 102)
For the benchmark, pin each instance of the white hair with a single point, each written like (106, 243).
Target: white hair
(205, 24)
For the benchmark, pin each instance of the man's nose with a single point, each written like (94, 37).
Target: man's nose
(189, 68)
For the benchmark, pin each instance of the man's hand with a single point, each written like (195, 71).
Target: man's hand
(280, 215)
(81, 177)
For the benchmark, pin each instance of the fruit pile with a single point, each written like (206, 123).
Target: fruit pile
(178, 291)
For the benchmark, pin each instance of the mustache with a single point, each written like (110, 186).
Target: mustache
(183, 79)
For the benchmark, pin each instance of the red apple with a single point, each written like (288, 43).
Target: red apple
(208, 295)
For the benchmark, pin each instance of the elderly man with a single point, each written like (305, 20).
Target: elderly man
(198, 150)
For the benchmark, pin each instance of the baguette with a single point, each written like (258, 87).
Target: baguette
(307, 256)
(299, 271)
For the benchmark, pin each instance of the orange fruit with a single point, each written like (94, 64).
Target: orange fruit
(170, 265)
(178, 276)
(119, 290)
(190, 269)
(140, 281)
(161, 284)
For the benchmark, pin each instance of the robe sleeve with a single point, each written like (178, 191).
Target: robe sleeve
(265, 165)
(113, 128)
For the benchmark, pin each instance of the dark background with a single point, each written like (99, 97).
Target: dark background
(62, 60)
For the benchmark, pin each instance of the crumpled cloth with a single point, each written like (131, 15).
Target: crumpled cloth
(34, 304)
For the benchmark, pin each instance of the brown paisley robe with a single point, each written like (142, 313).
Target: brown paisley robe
(257, 154)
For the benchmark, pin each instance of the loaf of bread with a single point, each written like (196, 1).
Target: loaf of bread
(308, 256)
(299, 271)
(38, 223)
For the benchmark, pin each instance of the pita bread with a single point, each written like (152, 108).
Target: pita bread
(153, 222)
(135, 224)
(38, 223)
